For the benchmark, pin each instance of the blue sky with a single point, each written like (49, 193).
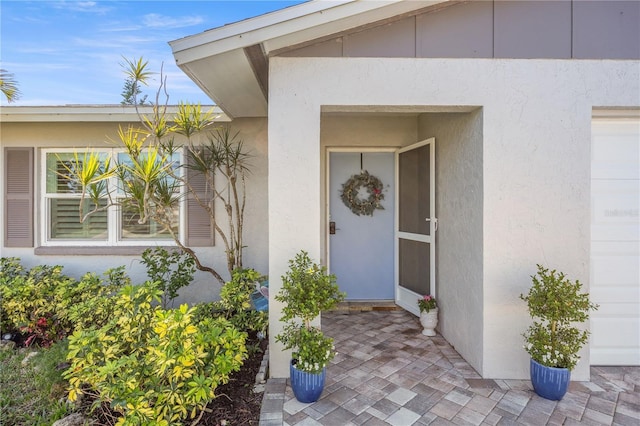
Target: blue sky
(69, 52)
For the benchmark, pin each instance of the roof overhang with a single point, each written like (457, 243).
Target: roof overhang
(230, 63)
(89, 113)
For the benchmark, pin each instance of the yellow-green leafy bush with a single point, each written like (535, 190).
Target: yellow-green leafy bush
(28, 301)
(88, 302)
(235, 298)
(235, 303)
(153, 366)
(46, 305)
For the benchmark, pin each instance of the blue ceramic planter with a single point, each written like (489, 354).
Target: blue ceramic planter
(307, 387)
(549, 382)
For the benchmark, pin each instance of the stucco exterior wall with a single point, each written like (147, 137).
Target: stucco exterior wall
(81, 135)
(459, 237)
(536, 166)
(368, 130)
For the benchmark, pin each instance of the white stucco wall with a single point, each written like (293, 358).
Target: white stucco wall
(536, 166)
(459, 237)
(81, 135)
(294, 203)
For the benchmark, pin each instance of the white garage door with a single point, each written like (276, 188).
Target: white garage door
(615, 241)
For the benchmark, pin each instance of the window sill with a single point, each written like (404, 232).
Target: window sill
(92, 251)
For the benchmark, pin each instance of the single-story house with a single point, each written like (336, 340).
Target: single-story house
(501, 135)
(41, 222)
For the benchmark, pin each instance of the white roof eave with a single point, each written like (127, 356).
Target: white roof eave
(248, 32)
(277, 30)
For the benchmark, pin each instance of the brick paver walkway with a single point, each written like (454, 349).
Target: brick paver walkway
(387, 373)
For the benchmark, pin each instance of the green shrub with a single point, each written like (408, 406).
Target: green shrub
(307, 289)
(29, 303)
(46, 305)
(88, 302)
(10, 268)
(153, 366)
(555, 304)
(173, 270)
(235, 301)
(206, 310)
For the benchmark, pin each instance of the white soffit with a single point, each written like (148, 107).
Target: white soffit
(88, 113)
(230, 81)
(212, 59)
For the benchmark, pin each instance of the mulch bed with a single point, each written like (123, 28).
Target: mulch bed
(236, 403)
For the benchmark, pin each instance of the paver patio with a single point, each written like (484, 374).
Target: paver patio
(387, 373)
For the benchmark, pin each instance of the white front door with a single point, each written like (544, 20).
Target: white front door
(615, 241)
(416, 224)
(361, 246)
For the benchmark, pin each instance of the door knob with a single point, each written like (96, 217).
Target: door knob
(332, 228)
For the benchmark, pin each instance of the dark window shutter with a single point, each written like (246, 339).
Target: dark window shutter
(199, 226)
(18, 203)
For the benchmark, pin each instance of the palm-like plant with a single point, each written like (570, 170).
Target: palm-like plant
(150, 179)
(9, 86)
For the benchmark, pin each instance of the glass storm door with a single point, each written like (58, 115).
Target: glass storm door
(416, 224)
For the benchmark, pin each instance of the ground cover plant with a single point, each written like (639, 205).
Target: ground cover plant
(33, 393)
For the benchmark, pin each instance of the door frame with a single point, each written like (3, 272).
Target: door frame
(405, 298)
(327, 186)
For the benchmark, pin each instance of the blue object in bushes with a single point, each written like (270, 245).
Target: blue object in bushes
(260, 298)
(549, 382)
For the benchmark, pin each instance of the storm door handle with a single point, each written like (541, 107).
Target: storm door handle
(435, 222)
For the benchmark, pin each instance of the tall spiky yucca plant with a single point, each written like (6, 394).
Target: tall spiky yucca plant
(151, 184)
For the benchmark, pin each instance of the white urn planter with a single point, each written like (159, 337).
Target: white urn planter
(429, 321)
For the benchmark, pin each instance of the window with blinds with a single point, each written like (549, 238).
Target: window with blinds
(116, 225)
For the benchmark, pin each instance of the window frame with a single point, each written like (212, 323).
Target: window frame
(114, 218)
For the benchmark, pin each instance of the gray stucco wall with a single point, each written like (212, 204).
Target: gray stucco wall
(459, 237)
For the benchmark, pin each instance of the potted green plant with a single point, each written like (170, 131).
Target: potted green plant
(555, 304)
(307, 289)
(428, 314)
